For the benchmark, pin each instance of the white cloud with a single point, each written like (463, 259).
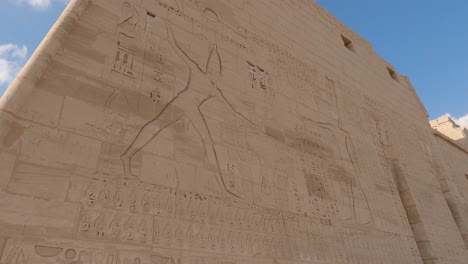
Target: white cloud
(39, 4)
(461, 121)
(12, 59)
(35, 3)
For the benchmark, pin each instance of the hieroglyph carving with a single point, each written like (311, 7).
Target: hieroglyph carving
(125, 55)
(259, 78)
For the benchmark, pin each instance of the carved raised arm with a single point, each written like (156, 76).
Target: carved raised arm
(173, 42)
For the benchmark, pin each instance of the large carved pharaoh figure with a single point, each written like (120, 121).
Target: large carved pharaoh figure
(187, 105)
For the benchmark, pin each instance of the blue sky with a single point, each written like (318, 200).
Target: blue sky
(424, 39)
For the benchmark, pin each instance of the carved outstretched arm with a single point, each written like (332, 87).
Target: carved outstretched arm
(172, 40)
(224, 99)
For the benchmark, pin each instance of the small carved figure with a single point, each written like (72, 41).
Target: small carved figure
(85, 224)
(70, 253)
(169, 206)
(119, 199)
(168, 235)
(129, 20)
(133, 203)
(90, 195)
(143, 231)
(100, 226)
(156, 233)
(130, 229)
(114, 228)
(21, 259)
(146, 203)
(105, 196)
(83, 258)
(179, 236)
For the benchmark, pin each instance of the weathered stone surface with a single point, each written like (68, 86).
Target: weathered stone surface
(221, 131)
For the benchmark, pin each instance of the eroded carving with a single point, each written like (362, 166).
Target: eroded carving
(46, 251)
(259, 78)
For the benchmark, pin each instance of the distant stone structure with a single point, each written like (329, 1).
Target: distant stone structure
(222, 132)
(448, 127)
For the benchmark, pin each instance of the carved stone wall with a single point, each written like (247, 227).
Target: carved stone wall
(219, 131)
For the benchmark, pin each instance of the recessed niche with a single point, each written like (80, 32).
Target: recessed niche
(393, 74)
(150, 17)
(348, 43)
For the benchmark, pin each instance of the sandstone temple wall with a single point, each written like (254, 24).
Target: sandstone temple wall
(221, 131)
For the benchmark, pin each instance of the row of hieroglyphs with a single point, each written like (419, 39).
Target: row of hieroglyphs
(199, 237)
(29, 251)
(327, 243)
(36, 251)
(164, 218)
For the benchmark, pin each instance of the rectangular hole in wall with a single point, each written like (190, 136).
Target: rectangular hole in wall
(348, 43)
(466, 175)
(150, 17)
(393, 74)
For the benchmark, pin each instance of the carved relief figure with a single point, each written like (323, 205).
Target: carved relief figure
(85, 224)
(187, 104)
(355, 189)
(16, 256)
(365, 217)
(129, 20)
(100, 226)
(83, 257)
